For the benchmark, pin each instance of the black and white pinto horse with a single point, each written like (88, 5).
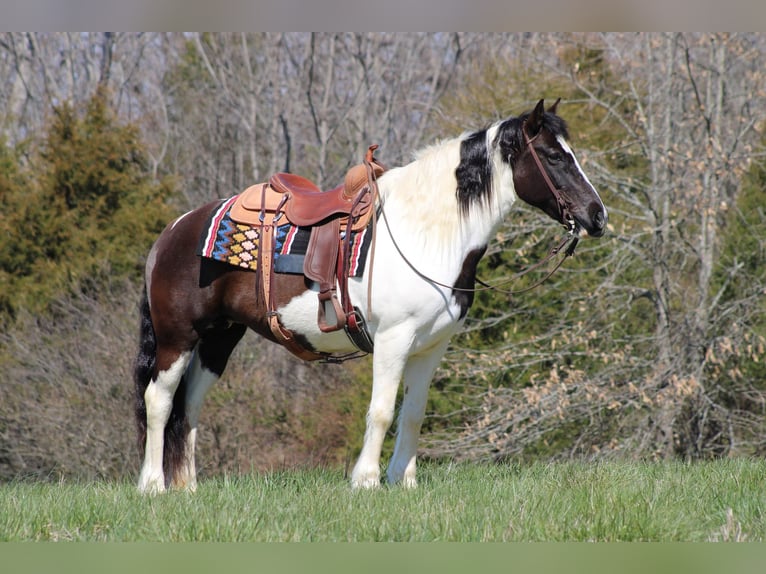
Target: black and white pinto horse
(441, 210)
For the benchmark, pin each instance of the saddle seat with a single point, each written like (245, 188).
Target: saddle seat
(304, 204)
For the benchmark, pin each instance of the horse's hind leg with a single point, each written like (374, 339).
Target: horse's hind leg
(207, 365)
(159, 398)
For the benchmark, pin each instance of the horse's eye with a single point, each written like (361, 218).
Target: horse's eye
(555, 157)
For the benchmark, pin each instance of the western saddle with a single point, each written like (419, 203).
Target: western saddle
(332, 216)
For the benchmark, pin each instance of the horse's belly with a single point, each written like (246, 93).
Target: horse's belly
(300, 317)
(423, 318)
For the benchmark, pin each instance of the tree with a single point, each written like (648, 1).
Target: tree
(622, 365)
(243, 106)
(649, 343)
(87, 207)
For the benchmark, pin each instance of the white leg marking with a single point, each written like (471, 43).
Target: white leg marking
(388, 362)
(417, 379)
(159, 402)
(198, 382)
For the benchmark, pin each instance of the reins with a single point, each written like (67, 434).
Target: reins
(571, 239)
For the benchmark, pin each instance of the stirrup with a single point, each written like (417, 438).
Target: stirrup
(356, 331)
(324, 326)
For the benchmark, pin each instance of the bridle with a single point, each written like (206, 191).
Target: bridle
(564, 213)
(571, 238)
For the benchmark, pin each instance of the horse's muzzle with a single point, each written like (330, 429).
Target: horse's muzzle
(595, 224)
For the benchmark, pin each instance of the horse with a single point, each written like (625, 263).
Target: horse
(436, 216)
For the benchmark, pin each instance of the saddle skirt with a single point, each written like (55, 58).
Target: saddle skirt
(237, 244)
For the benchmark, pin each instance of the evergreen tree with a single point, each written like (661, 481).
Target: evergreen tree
(84, 206)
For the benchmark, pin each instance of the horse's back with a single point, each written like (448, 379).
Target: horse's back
(203, 292)
(173, 258)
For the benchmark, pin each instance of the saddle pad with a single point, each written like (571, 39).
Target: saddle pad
(234, 243)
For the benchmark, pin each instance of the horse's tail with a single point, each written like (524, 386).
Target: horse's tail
(144, 367)
(175, 429)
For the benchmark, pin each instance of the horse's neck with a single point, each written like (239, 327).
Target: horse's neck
(421, 202)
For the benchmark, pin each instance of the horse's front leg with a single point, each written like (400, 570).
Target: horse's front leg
(418, 373)
(391, 351)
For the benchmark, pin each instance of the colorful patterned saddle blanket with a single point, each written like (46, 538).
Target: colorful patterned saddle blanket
(237, 244)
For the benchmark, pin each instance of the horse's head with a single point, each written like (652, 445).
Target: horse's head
(546, 173)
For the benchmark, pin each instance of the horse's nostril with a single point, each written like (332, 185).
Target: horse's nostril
(599, 221)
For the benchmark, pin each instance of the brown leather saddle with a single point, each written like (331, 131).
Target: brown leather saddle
(332, 216)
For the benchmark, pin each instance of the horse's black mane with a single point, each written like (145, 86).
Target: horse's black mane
(474, 172)
(551, 122)
(511, 140)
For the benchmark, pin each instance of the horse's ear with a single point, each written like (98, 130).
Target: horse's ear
(552, 109)
(535, 120)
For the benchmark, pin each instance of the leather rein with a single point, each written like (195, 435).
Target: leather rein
(571, 239)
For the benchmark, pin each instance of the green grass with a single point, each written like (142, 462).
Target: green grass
(617, 501)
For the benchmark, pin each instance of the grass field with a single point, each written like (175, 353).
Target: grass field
(617, 501)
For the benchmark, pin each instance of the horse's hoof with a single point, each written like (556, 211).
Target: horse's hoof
(409, 482)
(151, 486)
(367, 483)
